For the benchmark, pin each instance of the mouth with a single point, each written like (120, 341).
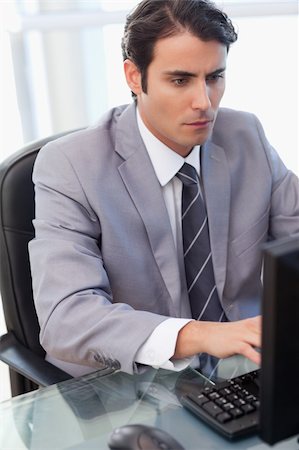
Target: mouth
(199, 123)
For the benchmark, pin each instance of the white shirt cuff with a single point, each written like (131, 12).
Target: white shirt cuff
(159, 347)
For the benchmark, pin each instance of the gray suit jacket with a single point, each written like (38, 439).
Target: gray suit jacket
(104, 265)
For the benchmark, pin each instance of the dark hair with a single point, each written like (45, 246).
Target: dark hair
(152, 20)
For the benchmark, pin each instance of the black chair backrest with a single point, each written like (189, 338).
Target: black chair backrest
(16, 230)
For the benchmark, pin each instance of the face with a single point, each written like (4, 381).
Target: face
(185, 83)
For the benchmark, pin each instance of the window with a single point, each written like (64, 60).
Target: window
(63, 67)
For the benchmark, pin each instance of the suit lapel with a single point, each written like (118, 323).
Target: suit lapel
(146, 193)
(216, 182)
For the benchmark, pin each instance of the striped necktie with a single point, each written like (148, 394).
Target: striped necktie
(203, 296)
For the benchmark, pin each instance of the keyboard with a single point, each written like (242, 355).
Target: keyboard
(230, 407)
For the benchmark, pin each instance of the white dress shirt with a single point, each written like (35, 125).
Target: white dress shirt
(157, 350)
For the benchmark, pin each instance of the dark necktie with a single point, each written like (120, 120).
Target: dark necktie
(203, 296)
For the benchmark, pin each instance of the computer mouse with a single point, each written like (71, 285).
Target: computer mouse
(142, 437)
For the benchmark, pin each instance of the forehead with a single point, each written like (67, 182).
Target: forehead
(187, 52)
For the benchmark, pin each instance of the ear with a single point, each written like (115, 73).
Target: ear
(133, 76)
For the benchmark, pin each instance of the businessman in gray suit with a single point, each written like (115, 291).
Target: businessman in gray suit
(108, 261)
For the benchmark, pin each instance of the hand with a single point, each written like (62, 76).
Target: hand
(221, 339)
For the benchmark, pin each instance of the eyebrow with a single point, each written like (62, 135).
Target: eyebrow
(183, 73)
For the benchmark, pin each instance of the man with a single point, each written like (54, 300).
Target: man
(110, 263)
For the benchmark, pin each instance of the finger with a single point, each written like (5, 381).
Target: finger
(252, 354)
(255, 340)
(254, 336)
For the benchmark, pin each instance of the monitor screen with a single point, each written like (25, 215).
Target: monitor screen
(279, 393)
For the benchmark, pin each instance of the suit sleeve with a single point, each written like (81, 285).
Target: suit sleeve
(284, 212)
(79, 322)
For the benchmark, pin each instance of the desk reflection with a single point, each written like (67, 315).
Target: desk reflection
(82, 412)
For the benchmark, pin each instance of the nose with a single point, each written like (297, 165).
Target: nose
(201, 98)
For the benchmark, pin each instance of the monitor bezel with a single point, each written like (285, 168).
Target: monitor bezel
(279, 391)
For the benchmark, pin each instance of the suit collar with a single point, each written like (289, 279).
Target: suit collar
(128, 139)
(145, 191)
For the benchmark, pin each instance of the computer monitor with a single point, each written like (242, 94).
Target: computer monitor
(279, 392)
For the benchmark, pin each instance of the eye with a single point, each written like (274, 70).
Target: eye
(179, 81)
(215, 76)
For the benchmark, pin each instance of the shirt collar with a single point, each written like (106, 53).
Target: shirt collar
(165, 161)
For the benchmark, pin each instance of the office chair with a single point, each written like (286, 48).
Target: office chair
(20, 347)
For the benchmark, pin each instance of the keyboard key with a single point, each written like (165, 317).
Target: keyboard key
(244, 392)
(239, 402)
(232, 397)
(208, 390)
(214, 396)
(228, 406)
(236, 388)
(238, 380)
(223, 384)
(236, 412)
(247, 408)
(200, 399)
(221, 401)
(212, 409)
(225, 391)
(223, 417)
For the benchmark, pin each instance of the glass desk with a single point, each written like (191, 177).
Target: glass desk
(81, 413)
